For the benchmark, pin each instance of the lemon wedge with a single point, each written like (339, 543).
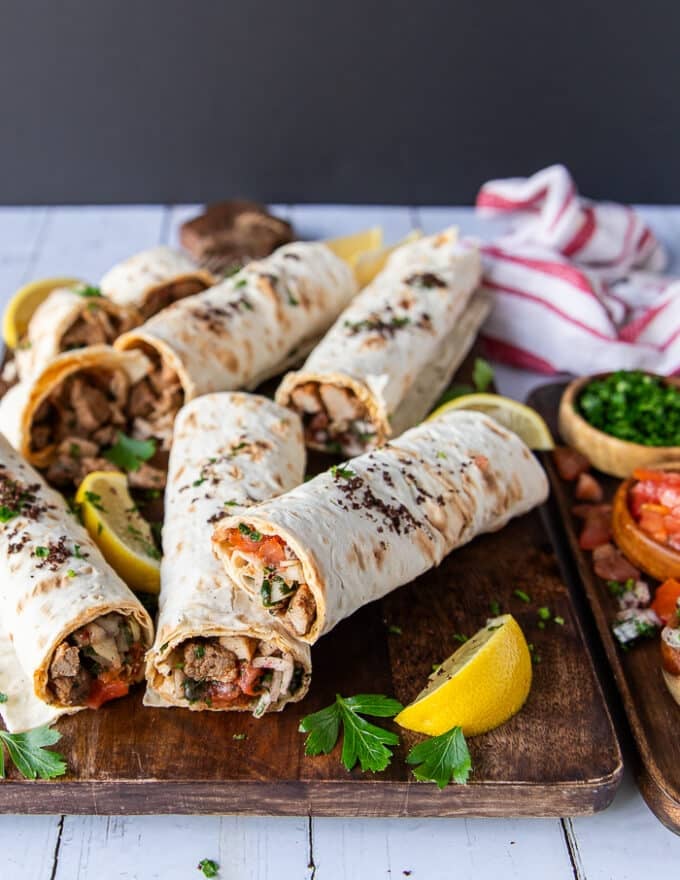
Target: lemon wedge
(350, 247)
(483, 684)
(368, 264)
(25, 301)
(123, 536)
(516, 417)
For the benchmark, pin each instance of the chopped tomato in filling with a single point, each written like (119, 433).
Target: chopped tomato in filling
(654, 502)
(269, 548)
(101, 692)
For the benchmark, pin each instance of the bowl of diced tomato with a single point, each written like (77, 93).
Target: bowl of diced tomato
(646, 519)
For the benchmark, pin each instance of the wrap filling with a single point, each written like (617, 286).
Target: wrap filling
(230, 672)
(334, 418)
(269, 565)
(98, 662)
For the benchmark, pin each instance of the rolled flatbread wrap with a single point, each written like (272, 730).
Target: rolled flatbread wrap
(215, 648)
(154, 279)
(66, 417)
(72, 635)
(361, 529)
(391, 353)
(252, 325)
(68, 319)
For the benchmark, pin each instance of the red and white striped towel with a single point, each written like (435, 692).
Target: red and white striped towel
(574, 283)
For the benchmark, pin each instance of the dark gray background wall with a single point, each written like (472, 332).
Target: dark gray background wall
(349, 101)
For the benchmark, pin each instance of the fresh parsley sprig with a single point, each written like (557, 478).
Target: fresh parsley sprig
(482, 377)
(128, 454)
(441, 759)
(363, 742)
(28, 753)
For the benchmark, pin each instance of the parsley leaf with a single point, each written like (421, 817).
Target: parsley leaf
(363, 742)
(27, 752)
(452, 393)
(344, 472)
(88, 291)
(128, 453)
(249, 532)
(3, 697)
(482, 374)
(209, 867)
(442, 758)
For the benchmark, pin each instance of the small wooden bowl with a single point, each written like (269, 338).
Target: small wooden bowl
(608, 454)
(655, 559)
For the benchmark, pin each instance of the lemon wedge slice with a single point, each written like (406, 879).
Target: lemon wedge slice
(368, 264)
(350, 247)
(481, 685)
(516, 417)
(25, 301)
(123, 536)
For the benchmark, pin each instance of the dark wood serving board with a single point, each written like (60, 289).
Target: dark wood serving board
(558, 756)
(653, 715)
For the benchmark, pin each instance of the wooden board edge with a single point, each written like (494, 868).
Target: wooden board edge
(340, 799)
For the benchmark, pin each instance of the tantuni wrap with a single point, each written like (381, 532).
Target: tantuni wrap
(153, 279)
(71, 632)
(71, 318)
(391, 353)
(354, 533)
(64, 419)
(215, 648)
(251, 326)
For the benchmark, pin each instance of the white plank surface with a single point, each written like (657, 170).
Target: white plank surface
(624, 842)
(439, 849)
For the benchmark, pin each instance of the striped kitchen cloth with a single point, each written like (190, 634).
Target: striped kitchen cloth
(576, 284)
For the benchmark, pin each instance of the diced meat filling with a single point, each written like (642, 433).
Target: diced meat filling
(233, 671)
(84, 414)
(268, 564)
(96, 326)
(97, 662)
(164, 296)
(334, 418)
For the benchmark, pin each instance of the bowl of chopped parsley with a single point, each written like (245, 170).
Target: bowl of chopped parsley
(622, 420)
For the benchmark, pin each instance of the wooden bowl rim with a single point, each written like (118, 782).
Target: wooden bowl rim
(621, 508)
(568, 401)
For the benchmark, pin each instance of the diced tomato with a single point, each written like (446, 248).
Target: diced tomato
(597, 528)
(666, 599)
(569, 462)
(671, 478)
(103, 691)
(270, 548)
(611, 565)
(222, 693)
(249, 680)
(588, 489)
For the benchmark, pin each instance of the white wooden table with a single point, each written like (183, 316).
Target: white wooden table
(626, 841)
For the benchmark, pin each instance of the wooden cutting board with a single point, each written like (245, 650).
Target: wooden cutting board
(653, 715)
(558, 756)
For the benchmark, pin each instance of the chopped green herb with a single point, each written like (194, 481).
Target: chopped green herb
(441, 759)
(164, 646)
(559, 621)
(231, 503)
(525, 597)
(128, 454)
(71, 573)
(362, 741)
(249, 532)
(239, 736)
(459, 637)
(541, 624)
(3, 697)
(494, 607)
(492, 627)
(544, 613)
(633, 406)
(436, 667)
(209, 867)
(394, 630)
(74, 450)
(88, 291)
(95, 500)
(76, 552)
(452, 393)
(199, 482)
(482, 374)
(346, 473)
(199, 651)
(41, 552)
(28, 753)
(535, 658)
(100, 528)
(241, 282)
(441, 455)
